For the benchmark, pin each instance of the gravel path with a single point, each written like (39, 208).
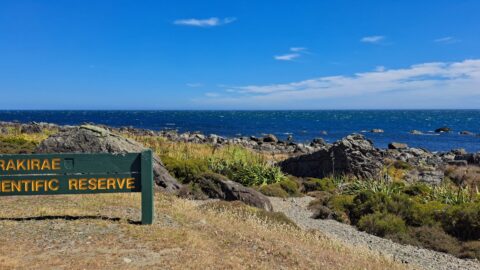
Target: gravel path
(296, 209)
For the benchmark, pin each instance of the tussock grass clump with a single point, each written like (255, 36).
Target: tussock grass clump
(233, 161)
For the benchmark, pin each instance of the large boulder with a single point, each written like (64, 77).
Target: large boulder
(397, 145)
(93, 139)
(215, 186)
(353, 155)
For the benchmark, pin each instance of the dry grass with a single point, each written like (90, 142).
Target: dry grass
(95, 231)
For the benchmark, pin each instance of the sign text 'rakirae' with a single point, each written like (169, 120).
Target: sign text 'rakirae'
(52, 174)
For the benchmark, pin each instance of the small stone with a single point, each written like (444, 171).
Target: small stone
(127, 260)
(443, 129)
(377, 130)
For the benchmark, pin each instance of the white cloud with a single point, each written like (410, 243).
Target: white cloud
(372, 39)
(287, 57)
(210, 22)
(446, 40)
(427, 85)
(296, 52)
(298, 49)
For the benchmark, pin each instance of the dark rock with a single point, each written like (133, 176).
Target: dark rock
(270, 138)
(443, 129)
(318, 142)
(396, 145)
(471, 158)
(459, 151)
(353, 155)
(93, 139)
(416, 132)
(458, 162)
(377, 130)
(465, 132)
(219, 187)
(255, 139)
(31, 128)
(433, 177)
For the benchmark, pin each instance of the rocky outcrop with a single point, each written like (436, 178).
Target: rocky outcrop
(443, 129)
(93, 139)
(216, 186)
(353, 155)
(396, 145)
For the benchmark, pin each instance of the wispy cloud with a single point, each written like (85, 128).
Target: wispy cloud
(446, 40)
(295, 52)
(194, 85)
(210, 22)
(298, 49)
(422, 85)
(287, 57)
(372, 39)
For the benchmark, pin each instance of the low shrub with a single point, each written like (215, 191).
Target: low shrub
(424, 214)
(365, 203)
(436, 239)
(273, 190)
(15, 145)
(382, 224)
(462, 221)
(340, 202)
(314, 184)
(291, 186)
(417, 189)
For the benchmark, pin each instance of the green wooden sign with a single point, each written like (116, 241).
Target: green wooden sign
(53, 174)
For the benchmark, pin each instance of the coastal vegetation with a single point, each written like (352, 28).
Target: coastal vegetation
(70, 232)
(443, 217)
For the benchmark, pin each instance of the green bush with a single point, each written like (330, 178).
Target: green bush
(291, 186)
(424, 214)
(340, 203)
(462, 221)
(314, 184)
(436, 239)
(382, 224)
(365, 203)
(185, 170)
(273, 190)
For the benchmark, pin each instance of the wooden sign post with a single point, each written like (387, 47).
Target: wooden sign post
(54, 174)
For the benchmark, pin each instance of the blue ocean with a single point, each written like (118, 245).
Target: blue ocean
(302, 125)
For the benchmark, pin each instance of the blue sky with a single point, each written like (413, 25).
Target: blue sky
(239, 54)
